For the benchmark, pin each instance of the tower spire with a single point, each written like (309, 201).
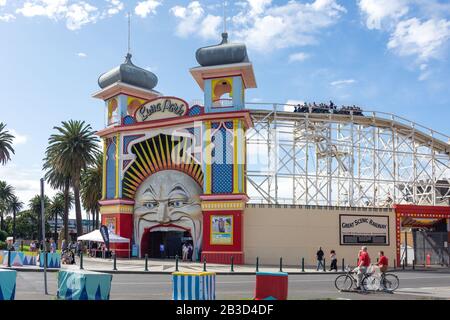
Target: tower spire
(224, 16)
(129, 34)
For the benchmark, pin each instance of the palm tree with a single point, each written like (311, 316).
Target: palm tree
(57, 209)
(60, 181)
(14, 206)
(35, 208)
(91, 188)
(71, 151)
(6, 148)
(6, 194)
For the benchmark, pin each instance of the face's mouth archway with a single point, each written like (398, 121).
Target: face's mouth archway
(159, 234)
(168, 202)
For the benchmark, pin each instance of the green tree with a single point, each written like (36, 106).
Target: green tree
(91, 188)
(71, 151)
(6, 194)
(60, 181)
(57, 209)
(6, 140)
(35, 208)
(14, 206)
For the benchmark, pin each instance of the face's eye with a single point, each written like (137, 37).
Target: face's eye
(176, 203)
(150, 205)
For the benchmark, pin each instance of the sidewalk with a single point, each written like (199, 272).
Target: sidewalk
(137, 266)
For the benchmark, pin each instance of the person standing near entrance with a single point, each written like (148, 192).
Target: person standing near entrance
(320, 255)
(161, 250)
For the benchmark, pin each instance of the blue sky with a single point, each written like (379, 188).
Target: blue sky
(383, 55)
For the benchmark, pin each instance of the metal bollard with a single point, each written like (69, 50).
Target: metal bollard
(303, 264)
(232, 264)
(324, 264)
(281, 264)
(257, 264)
(414, 264)
(395, 264)
(403, 266)
(146, 262)
(343, 265)
(204, 263)
(176, 263)
(81, 261)
(9, 258)
(115, 261)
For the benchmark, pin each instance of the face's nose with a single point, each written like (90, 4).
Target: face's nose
(163, 213)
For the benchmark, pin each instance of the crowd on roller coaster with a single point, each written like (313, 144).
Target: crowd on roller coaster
(328, 108)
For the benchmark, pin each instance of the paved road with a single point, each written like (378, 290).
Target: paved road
(414, 285)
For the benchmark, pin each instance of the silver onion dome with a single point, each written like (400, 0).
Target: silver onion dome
(130, 74)
(223, 53)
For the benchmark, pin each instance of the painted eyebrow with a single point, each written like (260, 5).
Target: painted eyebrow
(179, 188)
(150, 190)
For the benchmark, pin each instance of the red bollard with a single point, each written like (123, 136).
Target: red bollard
(271, 286)
(428, 260)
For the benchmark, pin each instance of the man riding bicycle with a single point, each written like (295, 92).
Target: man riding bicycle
(363, 264)
(382, 265)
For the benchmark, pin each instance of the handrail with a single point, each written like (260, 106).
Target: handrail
(375, 114)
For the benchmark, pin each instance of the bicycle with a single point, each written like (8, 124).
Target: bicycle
(387, 282)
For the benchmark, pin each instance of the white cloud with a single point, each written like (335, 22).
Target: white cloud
(266, 27)
(75, 13)
(192, 20)
(79, 14)
(2, 3)
(298, 57)
(7, 17)
(261, 24)
(379, 12)
(18, 138)
(82, 55)
(339, 83)
(115, 6)
(144, 8)
(24, 180)
(421, 39)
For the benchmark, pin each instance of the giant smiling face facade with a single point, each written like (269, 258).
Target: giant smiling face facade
(169, 200)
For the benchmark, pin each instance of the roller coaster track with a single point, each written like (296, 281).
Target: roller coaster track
(374, 160)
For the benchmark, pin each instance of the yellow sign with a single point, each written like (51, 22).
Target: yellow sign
(222, 229)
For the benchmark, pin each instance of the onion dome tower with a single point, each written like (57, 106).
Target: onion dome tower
(224, 73)
(123, 89)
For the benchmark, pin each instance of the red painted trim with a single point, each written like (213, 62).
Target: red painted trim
(415, 211)
(116, 202)
(237, 231)
(225, 197)
(219, 116)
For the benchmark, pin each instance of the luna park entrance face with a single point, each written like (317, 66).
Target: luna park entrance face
(167, 244)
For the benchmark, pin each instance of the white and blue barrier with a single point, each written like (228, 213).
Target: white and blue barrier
(74, 284)
(7, 284)
(17, 259)
(53, 260)
(194, 286)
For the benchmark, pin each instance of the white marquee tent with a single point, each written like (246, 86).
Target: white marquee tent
(96, 236)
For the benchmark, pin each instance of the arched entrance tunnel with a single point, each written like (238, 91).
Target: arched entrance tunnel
(171, 240)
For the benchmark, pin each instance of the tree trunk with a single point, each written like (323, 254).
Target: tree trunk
(14, 225)
(76, 193)
(97, 220)
(1, 221)
(66, 209)
(56, 228)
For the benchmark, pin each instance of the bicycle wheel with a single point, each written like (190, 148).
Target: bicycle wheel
(371, 283)
(343, 282)
(390, 282)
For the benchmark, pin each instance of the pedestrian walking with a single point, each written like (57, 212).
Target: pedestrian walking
(333, 259)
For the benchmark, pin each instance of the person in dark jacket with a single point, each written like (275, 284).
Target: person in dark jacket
(320, 254)
(333, 259)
